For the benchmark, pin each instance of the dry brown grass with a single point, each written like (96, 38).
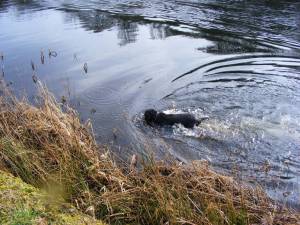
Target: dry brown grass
(48, 147)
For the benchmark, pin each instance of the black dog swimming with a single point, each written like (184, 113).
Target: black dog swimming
(152, 118)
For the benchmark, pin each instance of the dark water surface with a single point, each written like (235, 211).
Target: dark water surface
(236, 62)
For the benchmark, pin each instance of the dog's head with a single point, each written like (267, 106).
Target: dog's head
(150, 116)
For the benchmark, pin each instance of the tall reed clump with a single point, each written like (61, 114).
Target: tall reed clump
(47, 146)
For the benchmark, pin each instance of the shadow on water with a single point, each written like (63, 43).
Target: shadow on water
(235, 62)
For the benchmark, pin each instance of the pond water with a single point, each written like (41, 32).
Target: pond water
(235, 62)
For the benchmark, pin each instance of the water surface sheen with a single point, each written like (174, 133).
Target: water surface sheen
(235, 62)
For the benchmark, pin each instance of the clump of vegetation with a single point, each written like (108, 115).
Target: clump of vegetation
(23, 204)
(47, 146)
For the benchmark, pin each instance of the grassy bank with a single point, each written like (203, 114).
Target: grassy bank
(23, 204)
(47, 146)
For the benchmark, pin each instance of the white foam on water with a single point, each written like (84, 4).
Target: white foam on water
(209, 127)
(286, 126)
(247, 132)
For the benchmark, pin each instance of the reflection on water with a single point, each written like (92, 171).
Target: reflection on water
(127, 32)
(235, 62)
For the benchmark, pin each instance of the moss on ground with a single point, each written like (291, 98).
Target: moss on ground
(22, 204)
